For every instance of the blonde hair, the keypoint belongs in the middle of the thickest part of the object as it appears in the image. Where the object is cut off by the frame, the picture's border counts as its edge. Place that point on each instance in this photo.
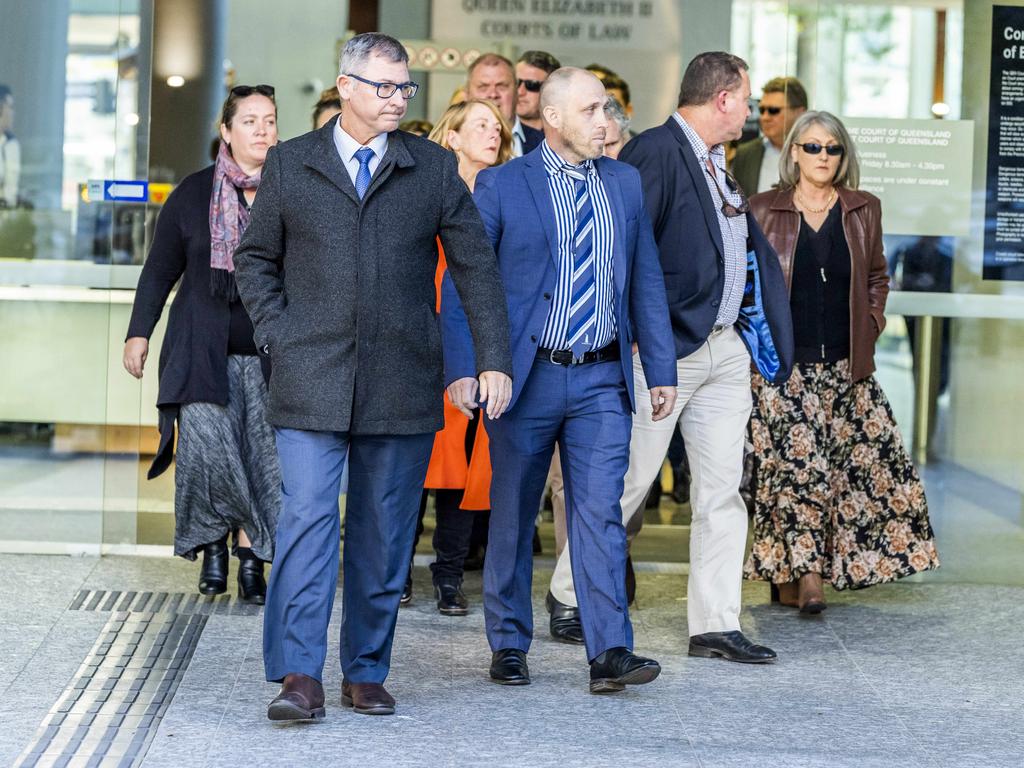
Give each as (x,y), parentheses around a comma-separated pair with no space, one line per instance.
(455,117)
(848,172)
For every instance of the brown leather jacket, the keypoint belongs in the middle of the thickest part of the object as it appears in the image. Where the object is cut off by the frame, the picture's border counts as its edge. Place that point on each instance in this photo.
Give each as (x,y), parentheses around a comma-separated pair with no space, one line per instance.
(869,276)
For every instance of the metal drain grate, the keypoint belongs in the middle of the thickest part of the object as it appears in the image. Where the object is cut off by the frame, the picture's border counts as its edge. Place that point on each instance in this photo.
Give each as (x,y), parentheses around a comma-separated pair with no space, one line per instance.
(178,603)
(110,712)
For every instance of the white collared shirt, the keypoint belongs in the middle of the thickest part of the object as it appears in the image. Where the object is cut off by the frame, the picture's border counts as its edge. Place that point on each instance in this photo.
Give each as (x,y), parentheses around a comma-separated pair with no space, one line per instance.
(769,175)
(347,148)
(518,138)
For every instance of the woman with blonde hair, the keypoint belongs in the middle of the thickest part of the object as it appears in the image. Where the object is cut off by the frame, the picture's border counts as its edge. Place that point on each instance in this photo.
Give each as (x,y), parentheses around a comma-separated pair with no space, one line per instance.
(460,467)
(838,498)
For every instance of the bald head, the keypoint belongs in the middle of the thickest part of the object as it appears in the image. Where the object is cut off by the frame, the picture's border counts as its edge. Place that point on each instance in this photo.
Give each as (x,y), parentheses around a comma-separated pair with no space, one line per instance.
(572,104)
(560,84)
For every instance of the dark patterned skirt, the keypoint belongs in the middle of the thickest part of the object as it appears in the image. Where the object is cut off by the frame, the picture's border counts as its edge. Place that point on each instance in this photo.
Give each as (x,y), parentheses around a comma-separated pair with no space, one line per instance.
(837,493)
(226,473)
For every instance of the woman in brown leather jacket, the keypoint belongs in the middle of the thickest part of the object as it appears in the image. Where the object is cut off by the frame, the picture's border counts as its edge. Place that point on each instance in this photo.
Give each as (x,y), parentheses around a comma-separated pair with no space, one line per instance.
(838,498)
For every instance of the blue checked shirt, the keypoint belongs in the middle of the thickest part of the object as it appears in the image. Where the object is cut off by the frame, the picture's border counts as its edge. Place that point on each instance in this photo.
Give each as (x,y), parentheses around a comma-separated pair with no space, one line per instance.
(563,196)
(734,229)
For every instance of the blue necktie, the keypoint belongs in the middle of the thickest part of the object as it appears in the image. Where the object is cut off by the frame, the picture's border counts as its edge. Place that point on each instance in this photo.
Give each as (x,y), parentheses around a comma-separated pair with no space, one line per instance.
(583,308)
(363,155)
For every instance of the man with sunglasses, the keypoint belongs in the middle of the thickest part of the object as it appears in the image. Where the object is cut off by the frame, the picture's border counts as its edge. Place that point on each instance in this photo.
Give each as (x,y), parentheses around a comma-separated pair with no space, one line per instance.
(756,165)
(722,279)
(337,271)
(532,70)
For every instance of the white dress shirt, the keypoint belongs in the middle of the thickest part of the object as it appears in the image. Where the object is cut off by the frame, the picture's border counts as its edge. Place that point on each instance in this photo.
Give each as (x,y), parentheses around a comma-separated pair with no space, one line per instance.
(347,148)
(769,175)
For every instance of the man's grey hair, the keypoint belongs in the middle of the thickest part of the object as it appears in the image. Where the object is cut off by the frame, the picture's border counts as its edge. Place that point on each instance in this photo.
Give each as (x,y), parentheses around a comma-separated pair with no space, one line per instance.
(360,48)
(847,174)
(614,110)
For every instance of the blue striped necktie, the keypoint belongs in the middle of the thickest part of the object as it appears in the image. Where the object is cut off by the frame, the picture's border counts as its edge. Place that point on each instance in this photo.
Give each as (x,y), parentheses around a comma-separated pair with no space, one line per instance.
(583,307)
(363,155)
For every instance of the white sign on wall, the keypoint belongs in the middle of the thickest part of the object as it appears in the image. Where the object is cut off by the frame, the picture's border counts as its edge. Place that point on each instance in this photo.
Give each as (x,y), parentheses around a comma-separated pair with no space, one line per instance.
(639,40)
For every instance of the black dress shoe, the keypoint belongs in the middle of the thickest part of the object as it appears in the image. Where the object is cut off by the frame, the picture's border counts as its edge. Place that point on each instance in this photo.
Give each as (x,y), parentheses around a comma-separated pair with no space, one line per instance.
(565,624)
(732,646)
(680,486)
(252,587)
(616,668)
(301,698)
(213,576)
(406,597)
(450,600)
(508,667)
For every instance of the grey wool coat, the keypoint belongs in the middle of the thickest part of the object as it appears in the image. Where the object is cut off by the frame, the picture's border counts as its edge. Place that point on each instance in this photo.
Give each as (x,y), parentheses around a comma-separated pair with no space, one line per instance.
(341,290)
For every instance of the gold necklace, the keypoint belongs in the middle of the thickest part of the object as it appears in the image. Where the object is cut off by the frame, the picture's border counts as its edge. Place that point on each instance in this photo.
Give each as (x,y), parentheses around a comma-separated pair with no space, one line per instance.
(806,207)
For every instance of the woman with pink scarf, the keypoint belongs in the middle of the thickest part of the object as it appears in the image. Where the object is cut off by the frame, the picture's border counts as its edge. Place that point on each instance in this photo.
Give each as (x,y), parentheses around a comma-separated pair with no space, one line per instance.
(211,385)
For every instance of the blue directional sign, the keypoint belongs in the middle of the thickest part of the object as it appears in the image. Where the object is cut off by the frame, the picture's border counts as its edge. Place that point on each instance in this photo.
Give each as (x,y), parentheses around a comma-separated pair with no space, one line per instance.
(119,190)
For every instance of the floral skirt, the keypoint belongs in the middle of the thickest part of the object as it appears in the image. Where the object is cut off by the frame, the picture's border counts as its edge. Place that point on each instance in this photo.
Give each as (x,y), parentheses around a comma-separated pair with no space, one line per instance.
(837,493)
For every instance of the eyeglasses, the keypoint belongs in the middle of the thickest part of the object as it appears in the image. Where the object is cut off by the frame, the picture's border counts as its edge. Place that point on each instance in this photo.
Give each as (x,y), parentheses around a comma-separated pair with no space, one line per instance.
(533,86)
(731,211)
(770,110)
(813,148)
(387,90)
(248,90)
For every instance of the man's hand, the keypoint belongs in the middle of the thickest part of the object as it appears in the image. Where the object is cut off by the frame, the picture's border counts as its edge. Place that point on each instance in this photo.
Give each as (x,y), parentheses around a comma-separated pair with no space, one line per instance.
(496,391)
(136,350)
(462,394)
(663,400)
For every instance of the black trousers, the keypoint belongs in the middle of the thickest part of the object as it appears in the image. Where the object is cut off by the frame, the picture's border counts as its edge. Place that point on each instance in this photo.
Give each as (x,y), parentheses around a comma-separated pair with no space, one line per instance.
(454,526)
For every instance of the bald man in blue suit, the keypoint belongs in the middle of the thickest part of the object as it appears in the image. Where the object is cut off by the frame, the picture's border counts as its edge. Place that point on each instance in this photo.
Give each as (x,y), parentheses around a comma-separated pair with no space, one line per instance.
(580,268)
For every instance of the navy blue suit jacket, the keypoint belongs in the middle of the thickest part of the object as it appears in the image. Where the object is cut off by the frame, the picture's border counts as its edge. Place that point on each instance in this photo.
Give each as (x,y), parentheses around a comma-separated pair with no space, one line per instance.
(519,217)
(685,222)
(531,139)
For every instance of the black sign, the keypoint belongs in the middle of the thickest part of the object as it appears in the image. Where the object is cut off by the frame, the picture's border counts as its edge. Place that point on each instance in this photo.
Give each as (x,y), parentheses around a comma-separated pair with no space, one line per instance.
(1004,192)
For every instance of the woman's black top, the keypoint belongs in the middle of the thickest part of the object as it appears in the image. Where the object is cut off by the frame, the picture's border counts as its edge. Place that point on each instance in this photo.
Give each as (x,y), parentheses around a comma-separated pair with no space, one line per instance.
(820,292)
(241,334)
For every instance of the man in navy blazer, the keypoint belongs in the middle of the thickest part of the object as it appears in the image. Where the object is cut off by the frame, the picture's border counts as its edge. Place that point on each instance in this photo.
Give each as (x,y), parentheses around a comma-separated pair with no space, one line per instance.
(581,275)
(728,305)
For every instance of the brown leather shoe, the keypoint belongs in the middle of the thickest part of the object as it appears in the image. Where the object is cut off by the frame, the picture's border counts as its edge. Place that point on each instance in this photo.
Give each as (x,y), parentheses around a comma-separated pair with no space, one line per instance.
(301,698)
(812,595)
(786,593)
(367,698)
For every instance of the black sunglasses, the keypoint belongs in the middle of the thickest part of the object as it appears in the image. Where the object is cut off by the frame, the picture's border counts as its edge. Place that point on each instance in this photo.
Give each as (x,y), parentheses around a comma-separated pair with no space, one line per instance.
(248,90)
(770,110)
(731,211)
(533,86)
(813,148)
(387,90)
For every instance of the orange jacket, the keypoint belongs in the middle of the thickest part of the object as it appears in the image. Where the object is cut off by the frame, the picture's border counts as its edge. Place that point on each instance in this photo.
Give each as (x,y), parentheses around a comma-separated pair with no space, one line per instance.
(448,465)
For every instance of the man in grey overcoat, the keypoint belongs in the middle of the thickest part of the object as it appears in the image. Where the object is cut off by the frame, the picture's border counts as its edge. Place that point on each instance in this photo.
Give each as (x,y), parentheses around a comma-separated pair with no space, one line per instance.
(337,271)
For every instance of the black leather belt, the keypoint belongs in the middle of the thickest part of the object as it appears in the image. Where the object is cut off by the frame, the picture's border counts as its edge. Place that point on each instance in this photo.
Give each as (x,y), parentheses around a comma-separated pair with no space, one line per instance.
(564,356)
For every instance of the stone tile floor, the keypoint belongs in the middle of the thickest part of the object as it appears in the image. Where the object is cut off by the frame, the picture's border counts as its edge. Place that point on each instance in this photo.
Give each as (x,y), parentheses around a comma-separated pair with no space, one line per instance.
(922,673)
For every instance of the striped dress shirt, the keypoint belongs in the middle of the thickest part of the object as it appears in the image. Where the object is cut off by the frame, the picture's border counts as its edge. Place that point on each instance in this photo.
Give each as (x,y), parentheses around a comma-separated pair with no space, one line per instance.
(563,197)
(734,228)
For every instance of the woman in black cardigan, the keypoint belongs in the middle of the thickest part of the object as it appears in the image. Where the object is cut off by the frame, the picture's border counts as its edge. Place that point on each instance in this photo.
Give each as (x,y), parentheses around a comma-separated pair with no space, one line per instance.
(226,475)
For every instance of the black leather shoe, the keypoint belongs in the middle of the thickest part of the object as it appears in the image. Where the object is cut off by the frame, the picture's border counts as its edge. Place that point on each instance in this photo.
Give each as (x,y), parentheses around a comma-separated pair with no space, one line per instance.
(450,600)
(213,577)
(732,646)
(508,667)
(680,486)
(616,668)
(406,597)
(565,624)
(252,587)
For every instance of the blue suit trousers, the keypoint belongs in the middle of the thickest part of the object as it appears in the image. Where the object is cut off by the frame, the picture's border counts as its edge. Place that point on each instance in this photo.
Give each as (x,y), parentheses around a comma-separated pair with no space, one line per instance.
(386,474)
(585,409)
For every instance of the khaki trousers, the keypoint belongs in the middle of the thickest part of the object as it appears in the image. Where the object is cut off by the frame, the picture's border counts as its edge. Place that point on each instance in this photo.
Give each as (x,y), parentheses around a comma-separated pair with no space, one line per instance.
(712,410)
